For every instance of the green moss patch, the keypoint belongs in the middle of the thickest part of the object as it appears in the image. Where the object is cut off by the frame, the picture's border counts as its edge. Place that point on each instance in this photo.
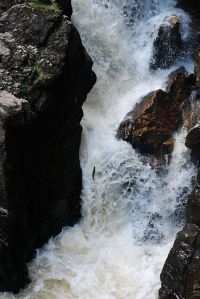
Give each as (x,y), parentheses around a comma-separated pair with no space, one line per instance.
(35,4)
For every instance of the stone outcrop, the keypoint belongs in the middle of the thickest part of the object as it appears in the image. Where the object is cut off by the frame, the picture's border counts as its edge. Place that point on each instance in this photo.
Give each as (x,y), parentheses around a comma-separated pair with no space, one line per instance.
(45,75)
(150,125)
(177,271)
(168,44)
(181,272)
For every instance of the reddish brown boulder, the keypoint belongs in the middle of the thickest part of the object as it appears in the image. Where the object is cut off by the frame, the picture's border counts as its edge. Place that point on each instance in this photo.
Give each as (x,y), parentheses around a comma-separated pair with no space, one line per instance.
(152,122)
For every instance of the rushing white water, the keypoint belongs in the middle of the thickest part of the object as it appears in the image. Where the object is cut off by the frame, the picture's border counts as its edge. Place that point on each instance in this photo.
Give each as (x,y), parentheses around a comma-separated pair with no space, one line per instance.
(131,213)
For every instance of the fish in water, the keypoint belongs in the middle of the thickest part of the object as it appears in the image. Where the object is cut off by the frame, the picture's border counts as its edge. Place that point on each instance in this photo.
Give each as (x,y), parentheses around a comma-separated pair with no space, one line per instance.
(93,173)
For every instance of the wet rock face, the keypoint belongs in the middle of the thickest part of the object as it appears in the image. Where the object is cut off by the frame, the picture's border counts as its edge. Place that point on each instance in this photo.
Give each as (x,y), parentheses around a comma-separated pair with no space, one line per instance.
(191,6)
(168,45)
(181,272)
(43,62)
(178,266)
(193,206)
(150,125)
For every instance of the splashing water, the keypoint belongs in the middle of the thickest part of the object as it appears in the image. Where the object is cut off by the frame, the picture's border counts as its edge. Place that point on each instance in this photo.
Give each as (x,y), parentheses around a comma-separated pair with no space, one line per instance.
(131,213)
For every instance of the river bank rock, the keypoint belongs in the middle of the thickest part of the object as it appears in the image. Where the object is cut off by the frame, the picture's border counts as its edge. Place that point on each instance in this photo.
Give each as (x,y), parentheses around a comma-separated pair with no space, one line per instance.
(181,272)
(46,71)
(150,125)
(176,268)
(168,45)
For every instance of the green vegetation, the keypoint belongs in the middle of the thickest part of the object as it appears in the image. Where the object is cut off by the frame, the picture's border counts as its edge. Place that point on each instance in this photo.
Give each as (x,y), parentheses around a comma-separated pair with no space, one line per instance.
(38,69)
(23,89)
(35,4)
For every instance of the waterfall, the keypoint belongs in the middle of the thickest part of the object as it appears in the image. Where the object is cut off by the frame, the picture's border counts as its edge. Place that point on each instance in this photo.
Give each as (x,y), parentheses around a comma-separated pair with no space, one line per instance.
(131,213)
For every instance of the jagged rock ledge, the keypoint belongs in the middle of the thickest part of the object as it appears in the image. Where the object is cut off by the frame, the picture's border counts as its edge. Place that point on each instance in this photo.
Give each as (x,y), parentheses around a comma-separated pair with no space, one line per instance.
(45,75)
(180,277)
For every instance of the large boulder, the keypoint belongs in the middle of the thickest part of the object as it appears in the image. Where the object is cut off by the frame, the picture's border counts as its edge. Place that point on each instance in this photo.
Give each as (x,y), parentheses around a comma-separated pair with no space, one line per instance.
(150,125)
(168,44)
(43,62)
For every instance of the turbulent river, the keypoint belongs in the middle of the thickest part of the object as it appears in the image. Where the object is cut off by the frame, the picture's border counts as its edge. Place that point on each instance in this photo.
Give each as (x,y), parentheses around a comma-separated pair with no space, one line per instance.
(131,213)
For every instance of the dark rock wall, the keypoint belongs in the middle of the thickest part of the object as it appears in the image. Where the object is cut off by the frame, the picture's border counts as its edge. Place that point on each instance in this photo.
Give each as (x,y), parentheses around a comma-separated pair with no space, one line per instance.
(180,276)
(190,6)
(41,167)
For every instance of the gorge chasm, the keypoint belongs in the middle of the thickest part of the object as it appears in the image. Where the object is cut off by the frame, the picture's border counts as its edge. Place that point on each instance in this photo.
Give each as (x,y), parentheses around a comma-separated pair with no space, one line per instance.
(99,149)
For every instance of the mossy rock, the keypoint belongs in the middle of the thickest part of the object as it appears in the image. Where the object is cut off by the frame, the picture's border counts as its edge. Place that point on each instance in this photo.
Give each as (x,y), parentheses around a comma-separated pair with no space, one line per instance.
(35,4)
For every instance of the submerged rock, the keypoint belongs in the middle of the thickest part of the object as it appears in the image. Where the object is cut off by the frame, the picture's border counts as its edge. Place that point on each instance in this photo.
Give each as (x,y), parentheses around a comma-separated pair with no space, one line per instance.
(150,125)
(168,44)
(43,62)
